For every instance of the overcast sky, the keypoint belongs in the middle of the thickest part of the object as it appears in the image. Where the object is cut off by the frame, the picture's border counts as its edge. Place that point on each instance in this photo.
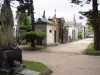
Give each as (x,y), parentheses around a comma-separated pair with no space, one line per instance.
(63,9)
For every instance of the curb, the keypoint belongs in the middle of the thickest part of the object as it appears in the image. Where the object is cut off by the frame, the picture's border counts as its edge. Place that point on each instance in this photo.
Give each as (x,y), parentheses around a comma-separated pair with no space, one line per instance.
(89,53)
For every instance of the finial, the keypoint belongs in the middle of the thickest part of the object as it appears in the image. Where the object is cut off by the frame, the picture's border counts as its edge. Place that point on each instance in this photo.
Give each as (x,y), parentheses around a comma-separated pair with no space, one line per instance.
(74,20)
(44,14)
(55,12)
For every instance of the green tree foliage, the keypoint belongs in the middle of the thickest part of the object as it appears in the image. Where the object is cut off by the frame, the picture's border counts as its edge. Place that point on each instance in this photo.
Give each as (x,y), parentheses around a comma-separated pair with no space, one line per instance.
(24,22)
(90,25)
(36,35)
(40,35)
(25,5)
(89,14)
(95,18)
(28,5)
(80,34)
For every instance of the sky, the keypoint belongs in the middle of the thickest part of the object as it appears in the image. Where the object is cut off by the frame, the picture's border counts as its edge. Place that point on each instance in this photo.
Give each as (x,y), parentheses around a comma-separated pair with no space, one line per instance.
(63,9)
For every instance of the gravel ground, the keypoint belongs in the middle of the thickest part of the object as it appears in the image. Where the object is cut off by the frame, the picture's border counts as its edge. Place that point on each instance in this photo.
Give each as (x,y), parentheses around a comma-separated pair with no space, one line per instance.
(67,59)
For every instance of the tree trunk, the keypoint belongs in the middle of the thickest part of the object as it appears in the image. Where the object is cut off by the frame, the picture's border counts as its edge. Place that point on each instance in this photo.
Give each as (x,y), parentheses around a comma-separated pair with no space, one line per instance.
(32,21)
(96,25)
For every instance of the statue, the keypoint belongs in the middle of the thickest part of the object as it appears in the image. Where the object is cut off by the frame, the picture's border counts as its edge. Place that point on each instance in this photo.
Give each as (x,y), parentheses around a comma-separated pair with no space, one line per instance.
(9,52)
(7,37)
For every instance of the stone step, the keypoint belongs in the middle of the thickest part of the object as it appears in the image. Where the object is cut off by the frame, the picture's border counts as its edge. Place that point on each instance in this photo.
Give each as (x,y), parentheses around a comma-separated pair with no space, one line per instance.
(29,72)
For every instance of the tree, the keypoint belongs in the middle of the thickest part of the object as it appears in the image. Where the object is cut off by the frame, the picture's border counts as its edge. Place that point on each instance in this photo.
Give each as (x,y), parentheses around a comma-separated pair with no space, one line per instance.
(95,18)
(28,5)
(90,25)
(39,36)
(24,25)
(32,20)
(96,25)
(23,22)
(79,34)
(89,14)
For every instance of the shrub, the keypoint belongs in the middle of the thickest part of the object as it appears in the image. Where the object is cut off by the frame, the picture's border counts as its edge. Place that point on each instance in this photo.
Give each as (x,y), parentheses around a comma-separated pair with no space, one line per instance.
(33,35)
(79,34)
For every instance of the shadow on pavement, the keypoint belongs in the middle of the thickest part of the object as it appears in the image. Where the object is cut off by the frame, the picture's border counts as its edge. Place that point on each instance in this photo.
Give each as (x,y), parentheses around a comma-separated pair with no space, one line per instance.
(91,54)
(32,49)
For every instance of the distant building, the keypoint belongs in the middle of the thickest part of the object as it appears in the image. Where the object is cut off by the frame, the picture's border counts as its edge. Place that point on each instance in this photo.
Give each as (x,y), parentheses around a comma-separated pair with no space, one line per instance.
(63,33)
(44,25)
(56,24)
(72,30)
(83,29)
(56,27)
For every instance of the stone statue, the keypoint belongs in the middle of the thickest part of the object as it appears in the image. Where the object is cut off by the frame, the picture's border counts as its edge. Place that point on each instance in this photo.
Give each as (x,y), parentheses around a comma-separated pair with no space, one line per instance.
(9,52)
(7,37)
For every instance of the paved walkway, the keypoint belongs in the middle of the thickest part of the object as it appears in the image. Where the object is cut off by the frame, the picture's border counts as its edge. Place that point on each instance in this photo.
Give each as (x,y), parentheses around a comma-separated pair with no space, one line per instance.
(67,59)
(72,47)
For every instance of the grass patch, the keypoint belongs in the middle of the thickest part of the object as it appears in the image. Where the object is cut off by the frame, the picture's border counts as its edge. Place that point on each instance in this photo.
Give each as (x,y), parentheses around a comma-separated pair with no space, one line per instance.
(40,46)
(27,46)
(90,49)
(36,66)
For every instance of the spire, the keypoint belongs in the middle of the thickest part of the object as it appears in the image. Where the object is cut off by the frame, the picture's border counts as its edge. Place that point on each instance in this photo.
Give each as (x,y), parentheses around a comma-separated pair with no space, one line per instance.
(44,14)
(55,12)
(74,21)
